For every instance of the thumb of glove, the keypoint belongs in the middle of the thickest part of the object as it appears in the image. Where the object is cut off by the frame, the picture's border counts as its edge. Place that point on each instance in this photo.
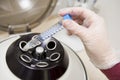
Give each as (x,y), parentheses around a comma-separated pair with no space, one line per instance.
(74,28)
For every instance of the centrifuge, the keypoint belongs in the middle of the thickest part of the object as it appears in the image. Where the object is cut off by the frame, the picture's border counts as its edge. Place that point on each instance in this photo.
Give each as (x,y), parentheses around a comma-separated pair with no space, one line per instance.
(53,60)
(50,60)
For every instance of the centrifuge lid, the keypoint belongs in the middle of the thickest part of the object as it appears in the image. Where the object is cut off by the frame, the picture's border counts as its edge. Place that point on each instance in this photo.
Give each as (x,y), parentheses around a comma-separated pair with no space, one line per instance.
(22,12)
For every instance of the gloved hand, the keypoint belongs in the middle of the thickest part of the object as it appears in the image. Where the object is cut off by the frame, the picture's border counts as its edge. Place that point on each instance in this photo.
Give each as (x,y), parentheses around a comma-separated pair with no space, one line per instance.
(90,28)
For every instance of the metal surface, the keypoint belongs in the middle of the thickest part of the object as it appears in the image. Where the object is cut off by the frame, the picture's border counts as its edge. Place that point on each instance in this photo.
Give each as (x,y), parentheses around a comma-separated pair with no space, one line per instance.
(22,12)
(30,13)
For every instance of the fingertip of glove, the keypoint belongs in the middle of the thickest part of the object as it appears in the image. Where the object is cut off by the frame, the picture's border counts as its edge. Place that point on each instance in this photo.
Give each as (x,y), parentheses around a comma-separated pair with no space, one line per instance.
(61,12)
(66,22)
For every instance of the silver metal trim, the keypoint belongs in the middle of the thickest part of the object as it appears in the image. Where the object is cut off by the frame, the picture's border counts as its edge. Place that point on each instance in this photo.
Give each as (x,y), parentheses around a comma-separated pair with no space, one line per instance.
(20,45)
(53,47)
(55,58)
(23,59)
(45,64)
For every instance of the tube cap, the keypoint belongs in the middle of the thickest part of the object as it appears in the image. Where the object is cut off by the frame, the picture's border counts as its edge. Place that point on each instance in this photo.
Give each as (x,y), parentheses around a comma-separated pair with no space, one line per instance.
(67,17)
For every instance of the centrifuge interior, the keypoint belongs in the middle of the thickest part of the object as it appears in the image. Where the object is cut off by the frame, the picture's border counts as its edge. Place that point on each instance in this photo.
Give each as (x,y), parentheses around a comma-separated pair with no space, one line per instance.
(56,58)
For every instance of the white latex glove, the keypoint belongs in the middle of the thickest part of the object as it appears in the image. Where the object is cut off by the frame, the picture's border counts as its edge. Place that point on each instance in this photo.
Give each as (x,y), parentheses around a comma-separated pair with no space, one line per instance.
(90,28)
